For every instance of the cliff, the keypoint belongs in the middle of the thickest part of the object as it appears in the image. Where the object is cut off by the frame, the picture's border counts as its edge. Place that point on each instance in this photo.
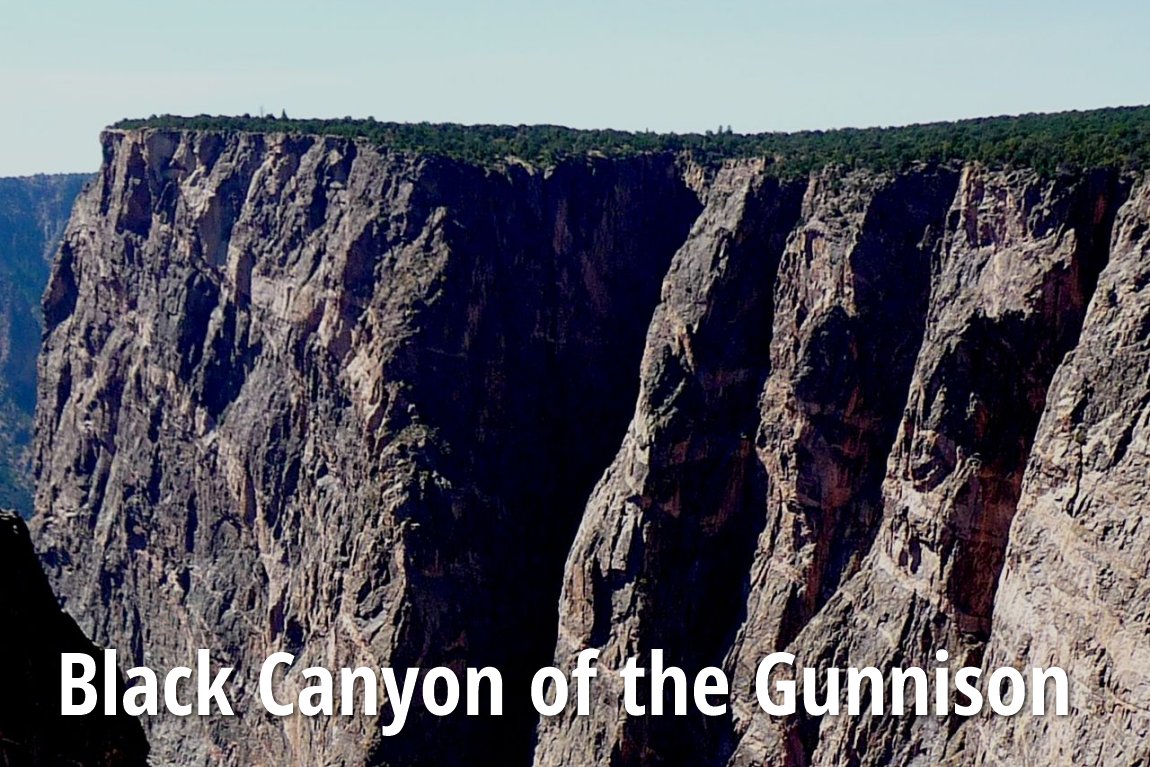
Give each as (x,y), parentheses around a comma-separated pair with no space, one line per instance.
(377,387)
(1075,588)
(377,407)
(33,212)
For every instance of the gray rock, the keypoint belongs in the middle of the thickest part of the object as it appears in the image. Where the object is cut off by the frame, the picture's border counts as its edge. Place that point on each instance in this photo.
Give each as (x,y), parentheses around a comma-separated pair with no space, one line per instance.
(1075,589)
(304,394)
(1016,267)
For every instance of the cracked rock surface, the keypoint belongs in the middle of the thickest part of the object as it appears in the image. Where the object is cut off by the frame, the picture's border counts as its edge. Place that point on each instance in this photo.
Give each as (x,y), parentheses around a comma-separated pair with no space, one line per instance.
(304,394)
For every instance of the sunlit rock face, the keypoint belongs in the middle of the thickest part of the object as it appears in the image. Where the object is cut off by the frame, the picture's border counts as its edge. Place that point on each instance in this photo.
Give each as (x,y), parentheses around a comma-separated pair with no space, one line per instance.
(376,408)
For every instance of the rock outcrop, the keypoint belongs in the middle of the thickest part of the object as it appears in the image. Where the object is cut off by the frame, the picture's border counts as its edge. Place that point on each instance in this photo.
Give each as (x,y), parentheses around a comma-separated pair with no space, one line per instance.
(33,213)
(1016,268)
(33,733)
(737,437)
(375,408)
(943,302)
(1075,590)
(301,394)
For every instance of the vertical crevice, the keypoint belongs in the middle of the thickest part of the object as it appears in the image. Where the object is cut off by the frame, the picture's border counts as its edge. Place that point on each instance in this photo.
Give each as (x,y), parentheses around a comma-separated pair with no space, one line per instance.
(1017,269)
(704,494)
(979,560)
(525,360)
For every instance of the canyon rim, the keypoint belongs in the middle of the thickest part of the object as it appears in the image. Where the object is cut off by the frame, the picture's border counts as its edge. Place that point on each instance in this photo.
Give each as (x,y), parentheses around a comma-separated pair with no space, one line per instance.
(310,393)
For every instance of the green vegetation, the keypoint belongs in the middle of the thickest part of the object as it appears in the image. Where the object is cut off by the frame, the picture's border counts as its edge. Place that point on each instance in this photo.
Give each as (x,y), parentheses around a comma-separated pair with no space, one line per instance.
(1118,137)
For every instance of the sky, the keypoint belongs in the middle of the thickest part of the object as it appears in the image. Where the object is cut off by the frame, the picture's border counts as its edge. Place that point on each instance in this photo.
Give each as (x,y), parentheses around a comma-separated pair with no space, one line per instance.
(70,67)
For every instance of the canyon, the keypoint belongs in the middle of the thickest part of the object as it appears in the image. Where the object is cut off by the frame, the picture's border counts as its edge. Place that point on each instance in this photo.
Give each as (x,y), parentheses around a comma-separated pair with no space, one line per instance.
(33,213)
(369,407)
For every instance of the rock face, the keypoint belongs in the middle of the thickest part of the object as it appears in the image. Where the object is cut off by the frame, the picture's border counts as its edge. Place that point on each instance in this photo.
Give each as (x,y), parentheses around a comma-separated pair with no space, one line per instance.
(1015,270)
(878,457)
(32,731)
(734,434)
(33,212)
(1075,591)
(375,387)
(372,408)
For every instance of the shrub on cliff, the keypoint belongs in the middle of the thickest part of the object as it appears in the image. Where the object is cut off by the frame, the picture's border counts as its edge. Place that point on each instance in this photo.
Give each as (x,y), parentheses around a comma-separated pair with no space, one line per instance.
(1117,137)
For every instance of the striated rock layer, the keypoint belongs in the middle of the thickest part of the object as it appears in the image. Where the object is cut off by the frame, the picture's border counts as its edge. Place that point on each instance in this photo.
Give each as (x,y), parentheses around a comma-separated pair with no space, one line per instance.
(918,322)
(301,394)
(372,408)
(1075,591)
(1015,270)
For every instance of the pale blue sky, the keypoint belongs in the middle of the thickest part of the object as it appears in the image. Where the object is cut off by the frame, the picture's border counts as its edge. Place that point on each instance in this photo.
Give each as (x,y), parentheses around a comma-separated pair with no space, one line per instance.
(70,67)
